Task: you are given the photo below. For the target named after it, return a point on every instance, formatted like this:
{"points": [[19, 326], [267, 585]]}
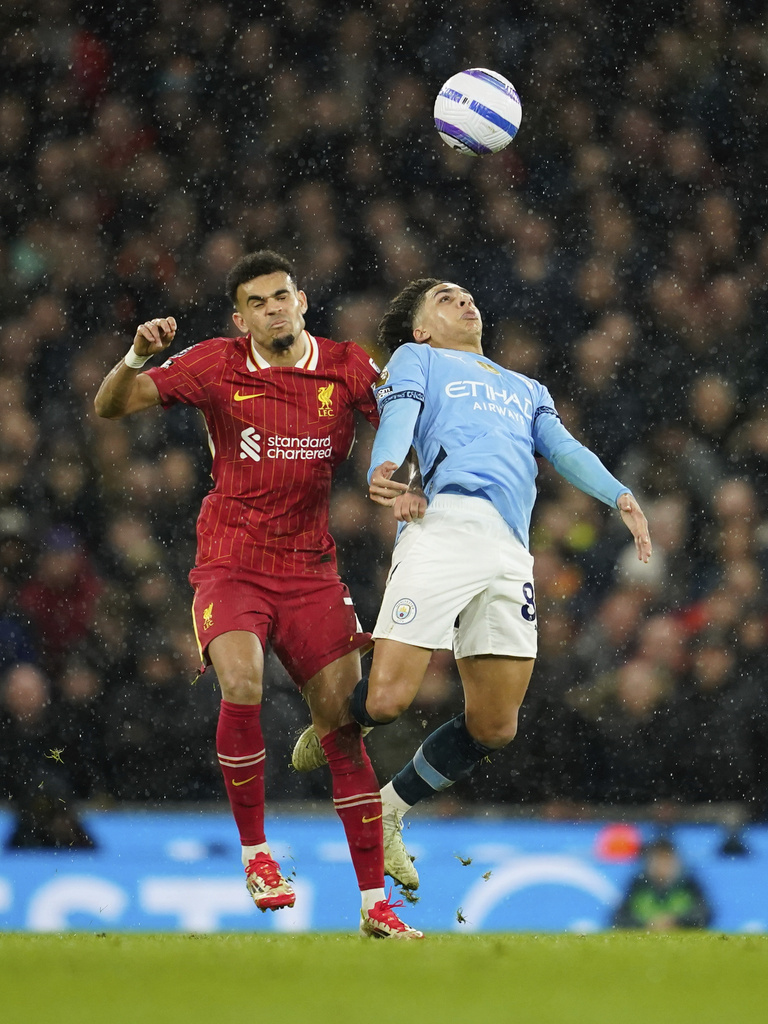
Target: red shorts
{"points": [[309, 621]]}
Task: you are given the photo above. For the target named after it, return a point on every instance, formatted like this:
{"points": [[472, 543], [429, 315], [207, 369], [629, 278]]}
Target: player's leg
{"points": [[495, 644], [318, 639], [396, 674], [232, 618], [378, 698], [355, 790], [494, 688], [425, 592], [238, 659]]}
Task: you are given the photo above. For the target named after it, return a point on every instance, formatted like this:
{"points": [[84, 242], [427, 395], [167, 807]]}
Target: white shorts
{"points": [[460, 579]]}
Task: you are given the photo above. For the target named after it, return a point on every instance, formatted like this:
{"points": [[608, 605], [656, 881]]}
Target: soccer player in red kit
{"points": [[279, 409]]}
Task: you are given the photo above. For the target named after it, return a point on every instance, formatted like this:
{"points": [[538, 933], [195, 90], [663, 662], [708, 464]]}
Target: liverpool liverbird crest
{"points": [[324, 397]]}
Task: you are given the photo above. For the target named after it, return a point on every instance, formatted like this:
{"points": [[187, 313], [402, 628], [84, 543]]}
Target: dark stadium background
{"points": [[618, 252]]}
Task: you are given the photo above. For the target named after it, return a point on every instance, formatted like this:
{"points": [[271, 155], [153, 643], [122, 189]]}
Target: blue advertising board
{"points": [[159, 871]]}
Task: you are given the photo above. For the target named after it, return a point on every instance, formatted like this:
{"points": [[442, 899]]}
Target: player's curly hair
{"points": [[254, 264], [396, 326]]}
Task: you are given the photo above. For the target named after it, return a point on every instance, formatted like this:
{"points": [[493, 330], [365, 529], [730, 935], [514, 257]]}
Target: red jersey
{"points": [[276, 434]]}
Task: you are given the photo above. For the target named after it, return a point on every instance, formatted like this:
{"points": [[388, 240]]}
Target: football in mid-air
{"points": [[477, 112]]}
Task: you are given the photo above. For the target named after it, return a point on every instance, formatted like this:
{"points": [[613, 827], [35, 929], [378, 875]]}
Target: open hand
{"points": [[637, 525]]}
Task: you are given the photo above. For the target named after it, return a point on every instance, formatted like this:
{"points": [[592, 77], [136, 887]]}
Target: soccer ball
{"points": [[477, 111]]}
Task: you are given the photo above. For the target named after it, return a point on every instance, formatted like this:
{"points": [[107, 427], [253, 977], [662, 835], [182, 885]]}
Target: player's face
{"points": [[449, 318], [272, 310]]}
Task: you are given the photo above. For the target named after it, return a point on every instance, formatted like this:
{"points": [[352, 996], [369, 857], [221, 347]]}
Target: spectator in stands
{"points": [[61, 594], [713, 720], [35, 764], [663, 896], [628, 710]]}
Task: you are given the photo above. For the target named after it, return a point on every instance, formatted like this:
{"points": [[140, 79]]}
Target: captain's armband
{"points": [[546, 410], [417, 396]]}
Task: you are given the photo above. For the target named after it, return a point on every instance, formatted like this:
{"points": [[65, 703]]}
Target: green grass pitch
{"points": [[612, 978]]}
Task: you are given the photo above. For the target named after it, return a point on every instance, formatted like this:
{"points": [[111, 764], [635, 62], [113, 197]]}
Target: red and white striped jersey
{"points": [[276, 436]]}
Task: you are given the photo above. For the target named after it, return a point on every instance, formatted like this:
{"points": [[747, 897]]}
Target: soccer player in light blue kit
{"points": [[462, 574]]}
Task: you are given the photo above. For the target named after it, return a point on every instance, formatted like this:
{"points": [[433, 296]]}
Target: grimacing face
{"points": [[448, 318], [271, 309]]}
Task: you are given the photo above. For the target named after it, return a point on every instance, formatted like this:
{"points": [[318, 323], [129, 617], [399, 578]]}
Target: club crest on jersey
{"points": [[490, 369], [324, 398], [404, 611], [208, 616]]}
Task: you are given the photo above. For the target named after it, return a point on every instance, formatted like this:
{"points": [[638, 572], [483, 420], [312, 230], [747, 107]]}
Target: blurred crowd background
{"points": [[618, 253]]}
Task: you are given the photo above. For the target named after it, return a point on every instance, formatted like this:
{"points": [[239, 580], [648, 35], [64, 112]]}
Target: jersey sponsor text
{"points": [[283, 447], [470, 388]]}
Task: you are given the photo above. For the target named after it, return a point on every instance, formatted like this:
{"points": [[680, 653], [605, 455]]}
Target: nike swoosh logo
{"points": [[234, 783], [374, 818], [244, 398]]}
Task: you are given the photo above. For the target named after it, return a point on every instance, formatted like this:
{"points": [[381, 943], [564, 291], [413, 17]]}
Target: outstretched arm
{"points": [[125, 389], [584, 470]]}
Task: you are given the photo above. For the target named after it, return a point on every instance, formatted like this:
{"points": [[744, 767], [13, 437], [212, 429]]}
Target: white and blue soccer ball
{"points": [[477, 112]]}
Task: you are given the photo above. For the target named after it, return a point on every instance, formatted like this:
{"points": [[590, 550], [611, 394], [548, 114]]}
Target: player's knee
{"points": [[496, 734], [390, 692], [385, 706], [239, 687]]}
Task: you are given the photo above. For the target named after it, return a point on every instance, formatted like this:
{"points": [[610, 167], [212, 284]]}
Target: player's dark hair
{"points": [[255, 264], [396, 326]]}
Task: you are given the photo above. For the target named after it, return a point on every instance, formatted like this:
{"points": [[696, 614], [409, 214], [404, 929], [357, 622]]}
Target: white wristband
{"points": [[134, 360]]}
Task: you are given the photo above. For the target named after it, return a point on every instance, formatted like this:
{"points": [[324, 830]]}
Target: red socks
{"points": [[357, 802], [240, 749]]}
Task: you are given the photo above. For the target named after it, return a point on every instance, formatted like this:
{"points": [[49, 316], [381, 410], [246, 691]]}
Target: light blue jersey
{"points": [[476, 428]]}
